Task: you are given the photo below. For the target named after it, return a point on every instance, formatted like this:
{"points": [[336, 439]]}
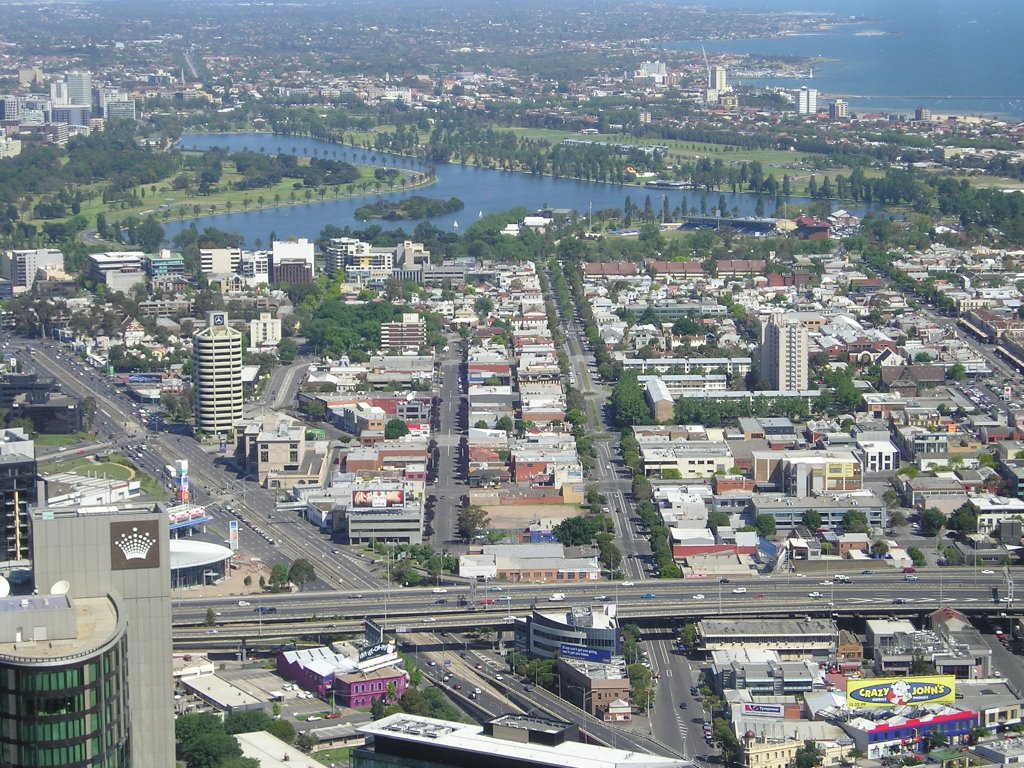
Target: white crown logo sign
{"points": [[135, 545]]}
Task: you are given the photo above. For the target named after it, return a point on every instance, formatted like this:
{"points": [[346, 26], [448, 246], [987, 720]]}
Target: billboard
{"points": [[586, 654], [145, 378], [376, 651], [233, 535], [899, 691], [181, 481], [764, 710], [378, 499]]}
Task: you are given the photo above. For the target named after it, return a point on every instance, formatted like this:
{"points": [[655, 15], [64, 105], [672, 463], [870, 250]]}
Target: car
{"points": [[495, 589], [477, 690], [908, 569], [62, 449], [439, 591], [332, 716], [724, 581], [815, 595], [600, 598], [527, 687], [694, 690], [499, 677], [910, 577], [698, 596], [628, 584], [1005, 599], [457, 686], [988, 571], [740, 591], [489, 602], [825, 583], [479, 666], [472, 695], [244, 603], [760, 596], [899, 601], [211, 631], [442, 601], [430, 619], [558, 597], [431, 663], [867, 572], [682, 705], [648, 596]]}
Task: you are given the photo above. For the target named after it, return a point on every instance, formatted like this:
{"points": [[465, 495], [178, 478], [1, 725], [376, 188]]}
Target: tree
{"points": [[377, 709], [211, 618], [506, 423], [575, 531], [484, 305], [279, 577], [811, 520], [473, 520], [964, 520], [209, 749], [956, 372], [149, 234], [717, 519], [190, 726], [395, 428], [306, 741], [764, 524], [879, 547], [240, 762], [917, 557], [287, 349], [931, 521], [88, 408], [301, 572], [283, 729], [245, 721], [855, 521], [808, 756]]}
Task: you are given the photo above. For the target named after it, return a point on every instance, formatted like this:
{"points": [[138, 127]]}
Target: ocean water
{"points": [[952, 56]]}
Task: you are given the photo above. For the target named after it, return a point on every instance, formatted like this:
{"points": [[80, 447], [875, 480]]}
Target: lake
{"points": [[483, 190]]}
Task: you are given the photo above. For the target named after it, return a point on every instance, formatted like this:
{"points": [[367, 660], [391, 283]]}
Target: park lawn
{"points": [[86, 468], [998, 182], [331, 756], [171, 204], [54, 441]]}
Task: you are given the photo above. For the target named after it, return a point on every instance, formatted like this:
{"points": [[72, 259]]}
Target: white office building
{"points": [[218, 375]]}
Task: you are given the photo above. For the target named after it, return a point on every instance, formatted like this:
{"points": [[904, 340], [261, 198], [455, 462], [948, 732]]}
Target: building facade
{"points": [[784, 354], [218, 375]]}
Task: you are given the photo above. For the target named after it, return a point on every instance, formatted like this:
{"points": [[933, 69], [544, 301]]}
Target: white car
{"points": [[988, 571], [628, 584], [244, 603], [558, 597], [439, 591], [698, 597], [814, 595], [740, 591], [430, 618]]}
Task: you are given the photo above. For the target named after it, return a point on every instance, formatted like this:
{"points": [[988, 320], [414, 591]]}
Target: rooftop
{"points": [[471, 739], [95, 620]]}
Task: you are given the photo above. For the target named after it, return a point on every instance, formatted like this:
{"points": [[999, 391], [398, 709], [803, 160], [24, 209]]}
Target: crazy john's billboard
{"points": [[900, 691]]}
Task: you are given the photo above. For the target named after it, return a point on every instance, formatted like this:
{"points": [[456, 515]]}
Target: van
{"points": [[558, 597]]}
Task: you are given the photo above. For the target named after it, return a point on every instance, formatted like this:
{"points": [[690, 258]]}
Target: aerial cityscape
{"points": [[630, 385]]}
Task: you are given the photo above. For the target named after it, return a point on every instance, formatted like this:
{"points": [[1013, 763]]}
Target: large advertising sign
{"points": [[900, 691], [386, 648], [233, 535], [378, 499], [181, 480], [764, 710], [145, 378], [586, 654]]}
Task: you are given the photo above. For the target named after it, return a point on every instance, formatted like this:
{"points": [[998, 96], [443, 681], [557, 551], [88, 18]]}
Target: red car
{"points": [[760, 596], [908, 569], [487, 602]]}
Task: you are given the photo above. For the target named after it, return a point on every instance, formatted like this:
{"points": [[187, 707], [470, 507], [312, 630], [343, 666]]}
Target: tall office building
{"points": [[218, 375], [18, 478], [10, 107], [85, 661], [717, 79], [807, 101], [79, 88], [59, 93], [784, 354], [838, 110]]}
